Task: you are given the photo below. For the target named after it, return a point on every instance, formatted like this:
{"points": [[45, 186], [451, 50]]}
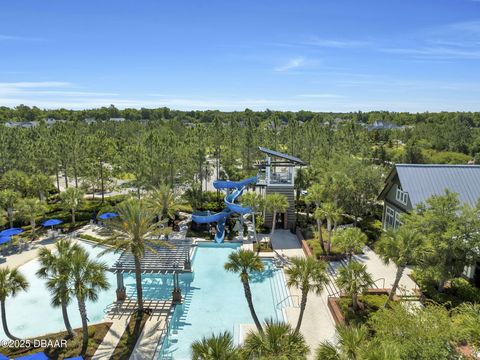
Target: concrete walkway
{"points": [[318, 324], [111, 339], [19, 259], [385, 274]]}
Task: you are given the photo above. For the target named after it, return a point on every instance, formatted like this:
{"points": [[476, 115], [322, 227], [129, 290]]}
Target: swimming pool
{"points": [[215, 301], [31, 314]]}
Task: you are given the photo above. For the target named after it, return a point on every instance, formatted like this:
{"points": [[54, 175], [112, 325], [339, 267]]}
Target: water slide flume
{"points": [[231, 207]]}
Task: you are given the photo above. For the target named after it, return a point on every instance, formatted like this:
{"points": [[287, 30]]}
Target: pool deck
{"points": [[19, 259]]}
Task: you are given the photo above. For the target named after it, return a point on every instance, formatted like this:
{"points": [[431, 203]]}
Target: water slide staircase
{"points": [[234, 191]]}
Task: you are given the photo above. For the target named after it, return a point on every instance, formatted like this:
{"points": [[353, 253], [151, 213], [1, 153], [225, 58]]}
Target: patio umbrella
{"points": [[108, 215], [11, 232], [52, 222], [3, 357], [36, 356], [74, 358], [4, 240]]}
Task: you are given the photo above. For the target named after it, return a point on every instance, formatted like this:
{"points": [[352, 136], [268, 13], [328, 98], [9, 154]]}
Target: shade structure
{"points": [[108, 215], [36, 356], [3, 357], [74, 358], [52, 222], [11, 232], [4, 240]]}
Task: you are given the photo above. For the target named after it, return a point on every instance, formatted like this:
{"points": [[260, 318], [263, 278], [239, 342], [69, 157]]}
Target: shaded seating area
{"points": [[173, 260]]}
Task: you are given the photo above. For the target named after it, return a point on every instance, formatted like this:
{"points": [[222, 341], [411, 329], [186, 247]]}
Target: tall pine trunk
{"points": [[138, 283], [320, 235], [329, 234], [4, 322], [102, 182], [10, 215], [248, 296]]}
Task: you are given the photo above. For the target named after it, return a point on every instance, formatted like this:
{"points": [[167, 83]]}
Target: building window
{"points": [[401, 196], [389, 217], [392, 218]]}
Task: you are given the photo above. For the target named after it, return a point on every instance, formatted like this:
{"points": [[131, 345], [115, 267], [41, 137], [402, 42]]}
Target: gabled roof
{"points": [[423, 181], [281, 155]]}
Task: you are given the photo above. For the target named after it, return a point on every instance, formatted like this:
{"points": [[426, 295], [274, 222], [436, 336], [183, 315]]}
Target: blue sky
{"points": [[409, 55]]}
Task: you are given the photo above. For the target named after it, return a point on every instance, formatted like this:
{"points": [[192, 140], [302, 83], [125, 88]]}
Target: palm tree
{"points": [[316, 194], [7, 201], [332, 214], [194, 196], [71, 199], [279, 341], [55, 267], [12, 282], [275, 203], [255, 202], [163, 201], [29, 209], [88, 278], [350, 342], [216, 347], [307, 275], [354, 279], [131, 231], [244, 262], [403, 247], [350, 241]]}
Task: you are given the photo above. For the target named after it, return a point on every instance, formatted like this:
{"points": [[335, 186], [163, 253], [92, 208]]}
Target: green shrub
{"points": [[90, 238]]}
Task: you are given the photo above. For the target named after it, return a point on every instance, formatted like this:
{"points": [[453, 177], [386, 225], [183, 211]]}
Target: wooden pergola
{"points": [[174, 260]]}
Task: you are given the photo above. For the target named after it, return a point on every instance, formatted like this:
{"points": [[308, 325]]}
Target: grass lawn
{"points": [[96, 334], [128, 340]]}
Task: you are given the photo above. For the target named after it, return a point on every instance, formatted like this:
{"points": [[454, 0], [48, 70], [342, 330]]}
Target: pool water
{"points": [[215, 301], [31, 314]]}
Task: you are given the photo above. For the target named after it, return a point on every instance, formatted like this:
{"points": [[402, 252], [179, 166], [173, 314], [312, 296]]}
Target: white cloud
{"points": [[344, 44], [291, 64]]}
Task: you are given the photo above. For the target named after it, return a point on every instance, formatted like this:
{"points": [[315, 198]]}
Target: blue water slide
{"points": [[221, 217]]}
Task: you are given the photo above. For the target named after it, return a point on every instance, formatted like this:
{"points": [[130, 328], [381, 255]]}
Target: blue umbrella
{"points": [[36, 356], [74, 358], [108, 215], [4, 240], [11, 232], [3, 357], [51, 222]]}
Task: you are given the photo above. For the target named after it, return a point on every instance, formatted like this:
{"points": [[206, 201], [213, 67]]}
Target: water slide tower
{"points": [[277, 175]]}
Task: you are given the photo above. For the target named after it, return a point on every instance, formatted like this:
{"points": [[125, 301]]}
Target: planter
{"points": [[335, 310]]}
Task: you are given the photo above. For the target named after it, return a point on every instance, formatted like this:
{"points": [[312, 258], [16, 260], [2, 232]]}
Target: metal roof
{"points": [[281, 155], [423, 181], [163, 260]]}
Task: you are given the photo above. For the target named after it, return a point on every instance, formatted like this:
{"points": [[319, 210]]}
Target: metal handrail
{"points": [[281, 257], [287, 298], [383, 287]]}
